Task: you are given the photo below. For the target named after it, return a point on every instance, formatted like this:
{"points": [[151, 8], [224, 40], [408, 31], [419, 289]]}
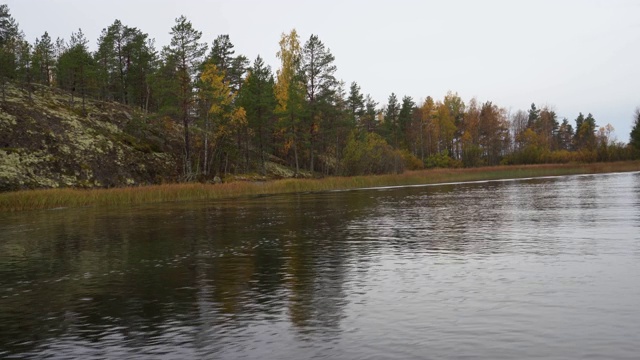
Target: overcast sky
{"points": [[572, 55]]}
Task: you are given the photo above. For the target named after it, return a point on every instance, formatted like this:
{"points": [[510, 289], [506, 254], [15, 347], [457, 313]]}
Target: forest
{"points": [[237, 114]]}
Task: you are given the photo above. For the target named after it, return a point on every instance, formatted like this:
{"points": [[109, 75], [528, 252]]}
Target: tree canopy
{"points": [[237, 116]]}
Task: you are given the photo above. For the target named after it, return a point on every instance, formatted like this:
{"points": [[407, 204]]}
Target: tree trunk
{"points": [[311, 145], [246, 147], [187, 148], [262, 162], [422, 143], [295, 150], [84, 109], [206, 144], [82, 86], [338, 155], [146, 104]]}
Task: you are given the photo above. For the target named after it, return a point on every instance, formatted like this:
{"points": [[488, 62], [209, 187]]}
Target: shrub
{"points": [[587, 156], [560, 157], [471, 156], [442, 160], [369, 154], [410, 161]]}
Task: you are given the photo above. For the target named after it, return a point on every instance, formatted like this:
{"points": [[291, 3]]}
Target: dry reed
{"points": [[56, 198]]}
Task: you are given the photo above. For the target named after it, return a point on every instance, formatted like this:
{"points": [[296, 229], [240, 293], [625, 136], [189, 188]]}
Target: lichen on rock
{"points": [[45, 143]]}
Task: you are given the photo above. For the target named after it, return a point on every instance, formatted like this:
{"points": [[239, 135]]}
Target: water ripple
{"points": [[540, 268]]}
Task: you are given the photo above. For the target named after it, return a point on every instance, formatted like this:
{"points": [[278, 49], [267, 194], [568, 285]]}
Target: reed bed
{"points": [[63, 198]]}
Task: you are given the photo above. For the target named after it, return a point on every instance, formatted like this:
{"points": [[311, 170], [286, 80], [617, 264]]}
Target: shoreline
{"points": [[44, 199]]}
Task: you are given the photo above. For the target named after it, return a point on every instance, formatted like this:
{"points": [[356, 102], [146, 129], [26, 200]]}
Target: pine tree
{"points": [[8, 27], [24, 65], [75, 70], [233, 67], [565, 135], [125, 61], [142, 63], [585, 137], [44, 60], [10, 37], [165, 88], [258, 100], [634, 137], [187, 52], [318, 74]]}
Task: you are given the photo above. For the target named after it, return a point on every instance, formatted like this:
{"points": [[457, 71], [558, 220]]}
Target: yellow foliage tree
{"points": [[227, 120], [289, 91], [446, 126]]}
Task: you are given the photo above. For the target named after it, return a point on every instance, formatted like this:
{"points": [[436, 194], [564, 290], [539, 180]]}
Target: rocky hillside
{"points": [[47, 142]]}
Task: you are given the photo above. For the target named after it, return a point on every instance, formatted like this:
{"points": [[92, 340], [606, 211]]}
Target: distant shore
{"points": [[127, 196]]}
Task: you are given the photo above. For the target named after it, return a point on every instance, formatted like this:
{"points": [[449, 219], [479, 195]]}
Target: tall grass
{"points": [[55, 198]]}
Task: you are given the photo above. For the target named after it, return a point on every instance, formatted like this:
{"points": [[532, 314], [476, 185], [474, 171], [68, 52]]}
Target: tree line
{"points": [[237, 116]]}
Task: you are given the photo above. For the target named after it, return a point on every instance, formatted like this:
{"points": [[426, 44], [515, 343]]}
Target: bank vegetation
{"points": [[129, 196]]}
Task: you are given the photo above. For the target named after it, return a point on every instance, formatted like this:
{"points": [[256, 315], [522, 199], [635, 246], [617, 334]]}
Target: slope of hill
{"points": [[46, 141]]}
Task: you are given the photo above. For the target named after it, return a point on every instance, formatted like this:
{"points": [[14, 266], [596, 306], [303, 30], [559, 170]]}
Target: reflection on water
{"points": [[538, 268]]}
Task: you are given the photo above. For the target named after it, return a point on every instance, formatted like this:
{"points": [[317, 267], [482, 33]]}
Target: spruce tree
{"points": [[534, 115], [355, 102], [404, 118], [391, 120]]}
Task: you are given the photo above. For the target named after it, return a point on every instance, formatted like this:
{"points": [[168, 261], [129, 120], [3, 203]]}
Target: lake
{"points": [[540, 268]]}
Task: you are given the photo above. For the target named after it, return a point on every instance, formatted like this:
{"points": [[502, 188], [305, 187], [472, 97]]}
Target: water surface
{"points": [[546, 268]]}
